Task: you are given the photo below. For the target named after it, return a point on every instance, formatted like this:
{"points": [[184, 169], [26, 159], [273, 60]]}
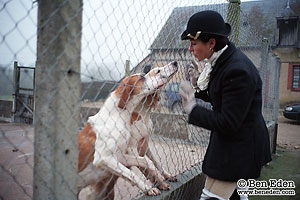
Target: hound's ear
{"points": [[124, 90]]}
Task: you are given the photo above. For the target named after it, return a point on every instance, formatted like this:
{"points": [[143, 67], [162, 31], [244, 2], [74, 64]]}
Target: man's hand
{"points": [[194, 71], [188, 97], [194, 75]]}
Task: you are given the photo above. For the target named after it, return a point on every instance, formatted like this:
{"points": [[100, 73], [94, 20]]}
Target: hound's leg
{"points": [[114, 166], [143, 148], [141, 162], [145, 129], [146, 167], [104, 188]]}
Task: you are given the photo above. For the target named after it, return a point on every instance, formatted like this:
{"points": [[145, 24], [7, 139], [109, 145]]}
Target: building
{"points": [[287, 47], [267, 20]]}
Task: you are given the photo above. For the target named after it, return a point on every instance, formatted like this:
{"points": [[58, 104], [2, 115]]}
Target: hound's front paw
{"points": [[168, 177], [163, 186], [153, 191]]}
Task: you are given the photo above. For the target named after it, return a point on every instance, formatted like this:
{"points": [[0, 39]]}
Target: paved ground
{"points": [[16, 158], [288, 137], [16, 161], [286, 162]]}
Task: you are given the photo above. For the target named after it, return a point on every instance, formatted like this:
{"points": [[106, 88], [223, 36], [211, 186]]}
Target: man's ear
{"points": [[212, 43]]}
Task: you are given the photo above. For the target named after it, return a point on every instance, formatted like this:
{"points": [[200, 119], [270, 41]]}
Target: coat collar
{"points": [[225, 55]]}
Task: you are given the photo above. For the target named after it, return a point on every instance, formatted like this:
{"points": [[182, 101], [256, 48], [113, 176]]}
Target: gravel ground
{"points": [[16, 157], [16, 161]]}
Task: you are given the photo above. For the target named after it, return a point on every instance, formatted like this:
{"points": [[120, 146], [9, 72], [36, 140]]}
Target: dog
{"points": [[116, 138]]}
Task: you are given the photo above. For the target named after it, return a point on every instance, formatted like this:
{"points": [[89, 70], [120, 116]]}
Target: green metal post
{"points": [[233, 18]]}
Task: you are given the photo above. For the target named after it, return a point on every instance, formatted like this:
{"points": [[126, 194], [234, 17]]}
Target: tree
{"points": [[295, 6], [262, 24]]}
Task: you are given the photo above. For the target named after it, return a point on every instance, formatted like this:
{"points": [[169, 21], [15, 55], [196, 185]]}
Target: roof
{"points": [[169, 36], [287, 11]]}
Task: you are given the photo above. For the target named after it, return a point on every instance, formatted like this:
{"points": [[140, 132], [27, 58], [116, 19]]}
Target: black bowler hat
{"points": [[206, 22]]}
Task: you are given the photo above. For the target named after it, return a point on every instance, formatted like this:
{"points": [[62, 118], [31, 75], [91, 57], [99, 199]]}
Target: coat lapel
{"points": [[224, 56]]}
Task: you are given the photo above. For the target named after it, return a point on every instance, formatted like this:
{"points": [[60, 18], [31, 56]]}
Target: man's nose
{"points": [[191, 47]]}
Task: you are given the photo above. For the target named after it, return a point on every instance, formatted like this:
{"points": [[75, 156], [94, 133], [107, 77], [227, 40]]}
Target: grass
{"points": [[285, 166]]}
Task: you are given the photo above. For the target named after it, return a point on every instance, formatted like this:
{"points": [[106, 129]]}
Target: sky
{"points": [[112, 32]]}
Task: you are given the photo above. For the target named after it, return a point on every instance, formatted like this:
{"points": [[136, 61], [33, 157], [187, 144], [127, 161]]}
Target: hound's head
{"points": [[142, 85], [159, 76]]}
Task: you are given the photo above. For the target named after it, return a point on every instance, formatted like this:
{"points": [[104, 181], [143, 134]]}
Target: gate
{"points": [[23, 104]]}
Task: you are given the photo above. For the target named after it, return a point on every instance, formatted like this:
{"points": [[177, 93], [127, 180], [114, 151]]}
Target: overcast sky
{"points": [[112, 32]]}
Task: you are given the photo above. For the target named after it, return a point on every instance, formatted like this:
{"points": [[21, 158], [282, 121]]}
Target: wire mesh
{"points": [[115, 39]]}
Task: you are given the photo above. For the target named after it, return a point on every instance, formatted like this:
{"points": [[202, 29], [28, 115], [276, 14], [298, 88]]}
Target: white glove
{"points": [[188, 97], [195, 69], [194, 75]]}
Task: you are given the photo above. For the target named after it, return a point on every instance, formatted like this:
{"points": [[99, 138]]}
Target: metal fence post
{"points": [[127, 67], [263, 73], [233, 18], [16, 79], [57, 95]]}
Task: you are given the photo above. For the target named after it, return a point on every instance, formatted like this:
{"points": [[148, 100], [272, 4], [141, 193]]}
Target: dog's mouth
{"points": [[164, 78], [173, 73], [164, 82], [160, 86]]}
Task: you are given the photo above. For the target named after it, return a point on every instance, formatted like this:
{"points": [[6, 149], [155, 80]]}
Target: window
{"points": [[288, 30], [294, 77]]}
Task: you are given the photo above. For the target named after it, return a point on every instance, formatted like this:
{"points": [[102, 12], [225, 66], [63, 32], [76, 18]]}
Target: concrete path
{"points": [[16, 161]]}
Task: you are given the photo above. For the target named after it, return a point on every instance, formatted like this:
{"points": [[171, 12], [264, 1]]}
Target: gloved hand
{"points": [[188, 97], [194, 71], [194, 75]]}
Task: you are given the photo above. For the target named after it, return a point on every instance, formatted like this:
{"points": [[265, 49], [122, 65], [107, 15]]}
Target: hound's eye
{"points": [[158, 71]]}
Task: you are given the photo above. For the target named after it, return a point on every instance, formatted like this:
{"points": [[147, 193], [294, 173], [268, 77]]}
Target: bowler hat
{"points": [[206, 22]]}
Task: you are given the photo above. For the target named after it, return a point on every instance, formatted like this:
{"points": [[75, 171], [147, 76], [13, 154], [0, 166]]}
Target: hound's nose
{"points": [[175, 63]]}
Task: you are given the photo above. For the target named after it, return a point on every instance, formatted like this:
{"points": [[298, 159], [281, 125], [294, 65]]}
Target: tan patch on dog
{"points": [[134, 117], [129, 86], [86, 144]]}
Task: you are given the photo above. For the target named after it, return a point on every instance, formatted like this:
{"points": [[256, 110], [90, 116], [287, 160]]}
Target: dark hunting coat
{"points": [[239, 143]]}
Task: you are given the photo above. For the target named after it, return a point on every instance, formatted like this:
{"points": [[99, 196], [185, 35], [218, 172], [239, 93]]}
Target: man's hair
{"points": [[221, 41]]}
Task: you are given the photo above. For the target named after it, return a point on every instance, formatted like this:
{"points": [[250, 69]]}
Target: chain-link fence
{"points": [[62, 61]]}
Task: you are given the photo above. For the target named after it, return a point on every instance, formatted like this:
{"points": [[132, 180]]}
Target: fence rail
{"points": [[23, 103], [81, 50]]}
